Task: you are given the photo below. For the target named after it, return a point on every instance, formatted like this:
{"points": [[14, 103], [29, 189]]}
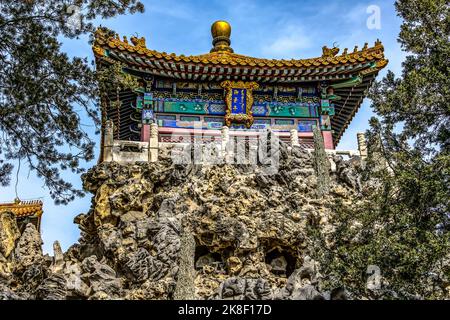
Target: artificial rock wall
{"points": [[163, 230]]}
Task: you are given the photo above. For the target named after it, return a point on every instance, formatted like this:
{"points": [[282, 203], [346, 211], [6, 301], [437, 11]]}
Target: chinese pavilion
{"points": [[223, 88], [25, 212]]}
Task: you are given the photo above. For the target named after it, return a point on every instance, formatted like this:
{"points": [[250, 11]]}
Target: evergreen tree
{"points": [[42, 90], [400, 222]]}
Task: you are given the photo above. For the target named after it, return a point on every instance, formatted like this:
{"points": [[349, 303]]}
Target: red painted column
{"points": [[145, 133], [328, 139]]}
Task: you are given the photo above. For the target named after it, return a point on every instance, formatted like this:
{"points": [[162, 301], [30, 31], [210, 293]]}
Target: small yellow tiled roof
{"points": [[23, 208]]}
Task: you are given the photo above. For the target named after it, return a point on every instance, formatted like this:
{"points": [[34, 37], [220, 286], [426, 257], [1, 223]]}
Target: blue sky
{"points": [[269, 29]]}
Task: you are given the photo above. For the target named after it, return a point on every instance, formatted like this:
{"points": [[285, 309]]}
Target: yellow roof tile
{"points": [[23, 208], [232, 59]]}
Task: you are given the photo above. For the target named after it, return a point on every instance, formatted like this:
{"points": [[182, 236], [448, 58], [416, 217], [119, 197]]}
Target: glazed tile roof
{"points": [[23, 208], [223, 64]]}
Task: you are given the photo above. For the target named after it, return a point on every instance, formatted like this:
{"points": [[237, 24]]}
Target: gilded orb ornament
{"points": [[221, 32], [221, 29]]}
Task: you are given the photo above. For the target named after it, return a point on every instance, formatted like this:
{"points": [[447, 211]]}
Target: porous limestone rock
{"points": [[9, 233], [28, 251], [246, 233]]}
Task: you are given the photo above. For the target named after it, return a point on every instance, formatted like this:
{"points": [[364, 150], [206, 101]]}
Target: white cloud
{"points": [[357, 15], [290, 43]]}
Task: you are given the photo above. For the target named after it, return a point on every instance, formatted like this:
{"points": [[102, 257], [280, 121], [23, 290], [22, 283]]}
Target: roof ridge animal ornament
{"points": [[138, 42], [328, 53]]}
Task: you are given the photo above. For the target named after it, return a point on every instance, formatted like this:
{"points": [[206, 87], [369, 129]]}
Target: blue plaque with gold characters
{"points": [[239, 101]]}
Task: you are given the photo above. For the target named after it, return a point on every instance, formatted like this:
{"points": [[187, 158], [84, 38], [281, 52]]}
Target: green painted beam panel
{"points": [[185, 107], [289, 111]]}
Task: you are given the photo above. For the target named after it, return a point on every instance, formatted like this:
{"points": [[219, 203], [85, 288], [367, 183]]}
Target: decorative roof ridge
{"points": [[18, 202], [105, 40], [23, 208]]}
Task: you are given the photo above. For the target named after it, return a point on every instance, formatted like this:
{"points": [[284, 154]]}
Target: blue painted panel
{"points": [[166, 117], [239, 101], [189, 118], [306, 125], [214, 119], [284, 122], [189, 124], [216, 108], [260, 109], [263, 121]]}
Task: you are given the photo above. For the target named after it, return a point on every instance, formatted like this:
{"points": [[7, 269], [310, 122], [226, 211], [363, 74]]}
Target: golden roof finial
{"points": [[221, 31]]}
